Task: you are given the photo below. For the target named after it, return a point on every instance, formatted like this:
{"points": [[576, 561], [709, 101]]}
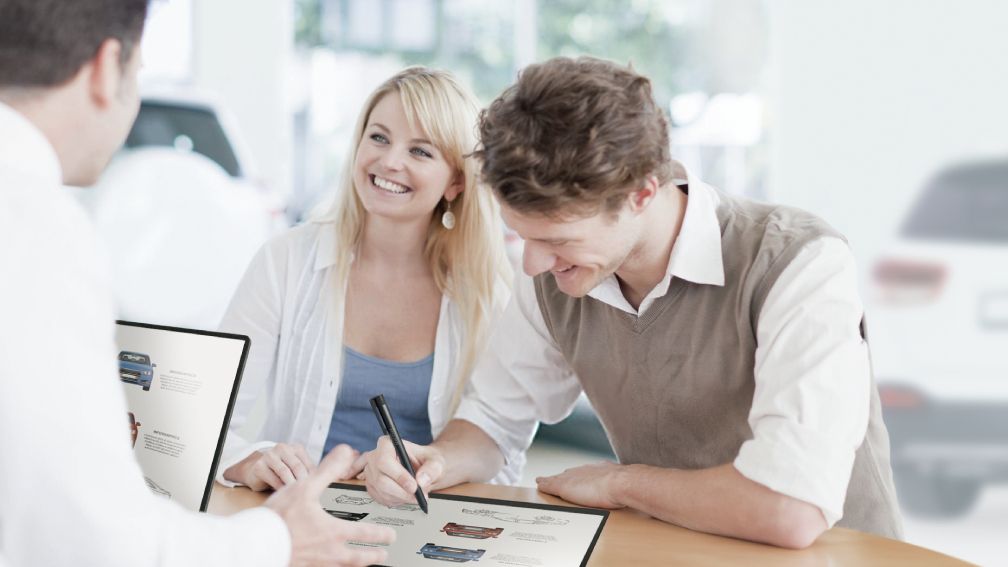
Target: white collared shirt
{"points": [[295, 360], [807, 423], [71, 492]]}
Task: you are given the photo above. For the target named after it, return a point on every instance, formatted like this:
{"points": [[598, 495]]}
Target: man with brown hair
{"points": [[71, 492], [720, 340]]}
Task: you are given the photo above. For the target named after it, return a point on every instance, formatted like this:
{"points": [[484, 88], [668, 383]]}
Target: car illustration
{"points": [[134, 428], [348, 516], [501, 516], [136, 368], [454, 554], [937, 324], [473, 532], [353, 500], [156, 488]]}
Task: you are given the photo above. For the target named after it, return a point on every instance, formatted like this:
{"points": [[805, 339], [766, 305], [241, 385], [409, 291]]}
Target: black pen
{"points": [[388, 427]]}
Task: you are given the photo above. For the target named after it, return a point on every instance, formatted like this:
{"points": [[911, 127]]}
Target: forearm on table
{"points": [[470, 454], [719, 500]]}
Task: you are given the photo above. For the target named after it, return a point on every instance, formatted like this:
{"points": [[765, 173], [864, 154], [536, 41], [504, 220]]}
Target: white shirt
{"points": [[812, 375], [295, 360], [71, 492]]}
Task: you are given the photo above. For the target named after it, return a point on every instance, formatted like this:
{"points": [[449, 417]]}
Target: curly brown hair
{"points": [[573, 137]]}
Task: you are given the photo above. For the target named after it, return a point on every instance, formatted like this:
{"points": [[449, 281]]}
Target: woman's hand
{"points": [[389, 483], [276, 467]]}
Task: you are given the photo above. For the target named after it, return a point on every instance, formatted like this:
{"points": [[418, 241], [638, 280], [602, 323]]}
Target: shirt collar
{"points": [[24, 148], [325, 254], [696, 254]]}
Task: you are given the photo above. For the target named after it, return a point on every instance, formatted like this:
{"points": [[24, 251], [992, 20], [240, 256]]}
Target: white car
{"points": [[179, 212], [938, 329]]}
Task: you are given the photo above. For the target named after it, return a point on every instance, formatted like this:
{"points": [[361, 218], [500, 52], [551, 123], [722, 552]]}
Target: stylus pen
{"points": [[388, 427]]}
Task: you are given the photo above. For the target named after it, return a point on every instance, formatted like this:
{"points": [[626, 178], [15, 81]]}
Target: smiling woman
{"points": [[383, 294], [399, 173]]}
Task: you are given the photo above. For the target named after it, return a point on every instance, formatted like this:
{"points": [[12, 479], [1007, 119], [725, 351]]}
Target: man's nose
{"points": [[536, 259]]}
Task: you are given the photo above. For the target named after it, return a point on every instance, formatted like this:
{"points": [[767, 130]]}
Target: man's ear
{"points": [[106, 72], [639, 199], [456, 187]]}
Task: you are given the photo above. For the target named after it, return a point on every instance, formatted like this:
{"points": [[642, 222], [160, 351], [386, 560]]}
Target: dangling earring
{"points": [[448, 218]]}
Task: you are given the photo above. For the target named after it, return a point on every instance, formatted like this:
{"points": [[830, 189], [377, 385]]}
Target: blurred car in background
{"points": [[938, 328], [180, 211]]}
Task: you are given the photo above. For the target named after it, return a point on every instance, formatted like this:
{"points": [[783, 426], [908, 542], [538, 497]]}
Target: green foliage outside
{"points": [[476, 39]]}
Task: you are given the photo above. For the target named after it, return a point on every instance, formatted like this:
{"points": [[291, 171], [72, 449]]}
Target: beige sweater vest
{"points": [[673, 387]]}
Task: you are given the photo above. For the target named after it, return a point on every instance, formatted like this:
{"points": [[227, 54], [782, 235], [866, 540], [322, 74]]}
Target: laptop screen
{"points": [[180, 388]]}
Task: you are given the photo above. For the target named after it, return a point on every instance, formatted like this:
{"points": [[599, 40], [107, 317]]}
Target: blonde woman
{"points": [[392, 291]]}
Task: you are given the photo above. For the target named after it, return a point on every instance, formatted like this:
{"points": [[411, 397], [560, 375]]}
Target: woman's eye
{"points": [[381, 139], [421, 152]]}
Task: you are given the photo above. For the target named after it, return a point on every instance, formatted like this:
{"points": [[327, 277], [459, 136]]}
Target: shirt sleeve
{"points": [[255, 310], [72, 492], [521, 380], [811, 400]]}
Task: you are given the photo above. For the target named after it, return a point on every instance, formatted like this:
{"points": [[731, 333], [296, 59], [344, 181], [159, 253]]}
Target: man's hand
{"points": [[389, 483], [316, 537], [274, 468], [587, 485]]}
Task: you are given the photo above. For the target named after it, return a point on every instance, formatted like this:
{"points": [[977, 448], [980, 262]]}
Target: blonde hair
{"points": [[469, 261]]}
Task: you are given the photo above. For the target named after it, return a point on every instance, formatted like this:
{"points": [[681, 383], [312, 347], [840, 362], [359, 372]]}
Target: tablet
{"points": [[484, 531], [180, 389]]}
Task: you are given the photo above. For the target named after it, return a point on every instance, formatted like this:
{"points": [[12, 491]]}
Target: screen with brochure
{"points": [[180, 388]]}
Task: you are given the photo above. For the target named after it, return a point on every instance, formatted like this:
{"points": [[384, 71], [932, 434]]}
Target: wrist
{"points": [[233, 473], [238, 472], [622, 483], [452, 472]]}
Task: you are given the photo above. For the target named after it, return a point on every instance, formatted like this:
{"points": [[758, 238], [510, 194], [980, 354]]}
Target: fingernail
{"points": [[423, 479]]}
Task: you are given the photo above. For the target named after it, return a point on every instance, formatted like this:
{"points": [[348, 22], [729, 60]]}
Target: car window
{"points": [[966, 203], [134, 357], [161, 124]]}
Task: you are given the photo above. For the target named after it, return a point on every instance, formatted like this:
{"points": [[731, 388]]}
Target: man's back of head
{"points": [[43, 43], [70, 67]]}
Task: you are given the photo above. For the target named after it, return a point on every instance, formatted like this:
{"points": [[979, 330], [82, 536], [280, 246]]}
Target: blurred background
{"points": [[887, 118]]}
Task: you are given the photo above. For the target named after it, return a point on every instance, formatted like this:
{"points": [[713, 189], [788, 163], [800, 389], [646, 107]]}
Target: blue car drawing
{"points": [[136, 368], [454, 554]]}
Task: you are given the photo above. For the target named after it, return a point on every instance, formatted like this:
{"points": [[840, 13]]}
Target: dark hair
{"points": [[43, 43], [572, 137]]}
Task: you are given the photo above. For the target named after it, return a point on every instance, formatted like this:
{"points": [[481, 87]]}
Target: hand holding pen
{"points": [[388, 427]]}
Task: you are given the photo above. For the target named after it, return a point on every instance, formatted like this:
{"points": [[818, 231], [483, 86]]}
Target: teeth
{"points": [[389, 186]]}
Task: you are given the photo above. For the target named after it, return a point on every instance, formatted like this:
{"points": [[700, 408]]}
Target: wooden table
{"points": [[630, 538]]}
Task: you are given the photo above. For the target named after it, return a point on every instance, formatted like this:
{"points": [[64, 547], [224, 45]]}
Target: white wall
{"points": [[870, 97], [241, 50]]}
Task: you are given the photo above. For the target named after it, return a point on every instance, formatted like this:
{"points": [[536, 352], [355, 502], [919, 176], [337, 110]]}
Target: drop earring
{"points": [[448, 218]]}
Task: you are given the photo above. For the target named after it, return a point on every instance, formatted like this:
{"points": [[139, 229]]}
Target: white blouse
{"points": [[295, 359]]}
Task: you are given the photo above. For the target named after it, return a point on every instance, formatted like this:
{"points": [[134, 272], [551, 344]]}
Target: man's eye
{"points": [[381, 139], [422, 152]]}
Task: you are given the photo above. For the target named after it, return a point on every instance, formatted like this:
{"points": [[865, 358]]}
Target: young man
{"points": [[719, 339], [72, 493]]}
